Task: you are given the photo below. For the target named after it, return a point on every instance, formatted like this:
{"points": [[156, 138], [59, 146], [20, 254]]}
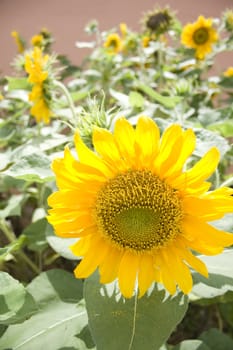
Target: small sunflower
{"points": [[37, 40], [200, 36], [138, 216], [113, 43], [158, 21], [229, 72]]}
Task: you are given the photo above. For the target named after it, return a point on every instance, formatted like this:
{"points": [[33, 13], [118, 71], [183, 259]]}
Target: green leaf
{"points": [[224, 128], [136, 99], [12, 296], [138, 324], [226, 310], [220, 278], [33, 168], [166, 101], [207, 139], [216, 340], [12, 247], [18, 83], [60, 319], [35, 234], [13, 206]]}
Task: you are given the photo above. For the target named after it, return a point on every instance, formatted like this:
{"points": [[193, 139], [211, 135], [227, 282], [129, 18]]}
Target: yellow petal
{"points": [[179, 271], [86, 156], [146, 273], [95, 255], [199, 229], [169, 139], [146, 141], [166, 273], [109, 267], [200, 171], [124, 137], [188, 146], [127, 273]]}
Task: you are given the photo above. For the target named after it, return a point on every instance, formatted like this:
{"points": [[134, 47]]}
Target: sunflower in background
{"points": [[158, 21], [137, 215], [37, 66], [200, 35], [113, 43]]}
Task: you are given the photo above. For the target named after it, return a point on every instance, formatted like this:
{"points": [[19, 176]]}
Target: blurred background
{"points": [[66, 20]]}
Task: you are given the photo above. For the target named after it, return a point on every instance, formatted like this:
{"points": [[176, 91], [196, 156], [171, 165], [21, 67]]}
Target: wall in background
{"points": [[66, 20]]}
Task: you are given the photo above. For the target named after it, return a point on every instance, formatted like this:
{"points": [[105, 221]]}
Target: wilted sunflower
{"points": [[113, 43], [200, 36], [138, 215], [158, 21]]}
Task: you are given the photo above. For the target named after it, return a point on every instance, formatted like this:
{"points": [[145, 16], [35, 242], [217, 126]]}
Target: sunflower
{"points": [[200, 36], [137, 215], [36, 65], [228, 72], [113, 43], [158, 21]]}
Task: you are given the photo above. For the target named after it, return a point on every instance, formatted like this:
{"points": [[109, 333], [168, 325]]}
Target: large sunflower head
{"points": [[137, 214], [158, 21], [200, 36]]}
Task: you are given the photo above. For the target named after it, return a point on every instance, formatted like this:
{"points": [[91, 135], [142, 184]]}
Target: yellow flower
{"points": [[37, 40], [19, 41], [200, 36], [113, 43], [138, 215], [35, 66], [229, 72], [41, 111], [145, 41], [123, 29]]}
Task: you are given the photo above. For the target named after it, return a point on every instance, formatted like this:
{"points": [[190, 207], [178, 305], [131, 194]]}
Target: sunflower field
{"points": [[116, 189]]}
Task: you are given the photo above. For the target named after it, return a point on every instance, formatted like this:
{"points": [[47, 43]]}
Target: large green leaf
{"points": [[33, 168], [132, 324], [220, 278], [60, 321]]}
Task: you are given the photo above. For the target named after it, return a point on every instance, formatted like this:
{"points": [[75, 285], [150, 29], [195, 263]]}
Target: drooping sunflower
{"points": [[158, 21], [200, 35], [113, 43], [138, 215]]}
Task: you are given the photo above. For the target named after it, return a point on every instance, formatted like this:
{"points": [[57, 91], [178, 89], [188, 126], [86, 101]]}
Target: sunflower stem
{"points": [[9, 234], [228, 182], [68, 97]]}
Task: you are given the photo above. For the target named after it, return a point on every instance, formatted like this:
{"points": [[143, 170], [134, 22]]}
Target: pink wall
{"points": [[66, 20]]}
